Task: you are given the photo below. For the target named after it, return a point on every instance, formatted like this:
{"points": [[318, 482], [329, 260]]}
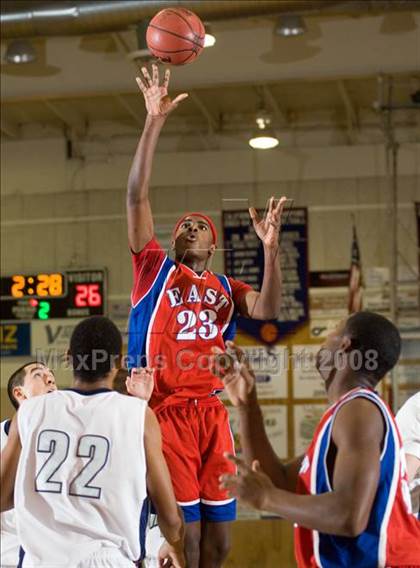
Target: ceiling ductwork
{"points": [[30, 19], [77, 18]]}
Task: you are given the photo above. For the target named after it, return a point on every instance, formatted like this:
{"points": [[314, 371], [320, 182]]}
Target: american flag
{"points": [[355, 281]]}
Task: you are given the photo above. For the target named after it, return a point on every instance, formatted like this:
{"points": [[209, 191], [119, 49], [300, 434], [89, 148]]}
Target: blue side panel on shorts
{"points": [[219, 513], [230, 331], [191, 512], [140, 317], [361, 551]]}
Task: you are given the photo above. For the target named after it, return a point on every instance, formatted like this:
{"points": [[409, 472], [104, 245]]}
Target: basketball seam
{"points": [[176, 35], [186, 59], [183, 19], [171, 51]]}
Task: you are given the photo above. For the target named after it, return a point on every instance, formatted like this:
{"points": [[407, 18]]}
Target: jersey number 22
{"points": [[57, 443]]}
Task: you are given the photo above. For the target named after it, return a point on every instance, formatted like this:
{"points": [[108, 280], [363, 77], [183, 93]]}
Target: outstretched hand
{"points": [[171, 556], [250, 484], [232, 368], [158, 102], [268, 228], [140, 383]]}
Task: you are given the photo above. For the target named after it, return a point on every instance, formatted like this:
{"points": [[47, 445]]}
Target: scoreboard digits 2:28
{"points": [[68, 294]]}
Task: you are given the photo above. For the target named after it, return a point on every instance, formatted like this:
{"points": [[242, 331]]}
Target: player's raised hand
{"points": [[268, 228], [250, 484], [171, 556], [232, 368], [158, 102], [140, 383]]}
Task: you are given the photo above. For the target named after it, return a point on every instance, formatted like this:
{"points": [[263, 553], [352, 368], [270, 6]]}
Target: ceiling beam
{"points": [[352, 121], [405, 77], [67, 114], [212, 121], [8, 127], [130, 110]]}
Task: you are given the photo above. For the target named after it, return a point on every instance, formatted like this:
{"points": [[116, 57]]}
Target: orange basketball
{"points": [[176, 36]]}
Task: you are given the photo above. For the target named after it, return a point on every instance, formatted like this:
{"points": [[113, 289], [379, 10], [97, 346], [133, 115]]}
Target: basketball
{"points": [[176, 36]]}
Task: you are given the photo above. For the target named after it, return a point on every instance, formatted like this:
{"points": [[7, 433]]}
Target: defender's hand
{"points": [[237, 376], [140, 383], [158, 102], [171, 556], [251, 485]]}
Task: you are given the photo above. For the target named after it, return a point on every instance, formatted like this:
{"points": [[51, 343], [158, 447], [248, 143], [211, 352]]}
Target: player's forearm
{"points": [[172, 526], [256, 445], [141, 168], [329, 513], [268, 304]]}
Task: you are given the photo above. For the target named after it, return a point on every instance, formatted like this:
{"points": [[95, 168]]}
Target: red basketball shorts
{"points": [[195, 435]]}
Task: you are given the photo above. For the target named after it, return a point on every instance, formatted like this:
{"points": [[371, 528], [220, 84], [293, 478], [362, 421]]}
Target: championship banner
{"points": [[244, 260]]}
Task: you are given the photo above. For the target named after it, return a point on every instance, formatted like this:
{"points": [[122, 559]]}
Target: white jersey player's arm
{"points": [[159, 486], [8, 467]]}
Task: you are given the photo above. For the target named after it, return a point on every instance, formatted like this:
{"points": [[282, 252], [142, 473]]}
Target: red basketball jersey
{"points": [[392, 537], [177, 316]]}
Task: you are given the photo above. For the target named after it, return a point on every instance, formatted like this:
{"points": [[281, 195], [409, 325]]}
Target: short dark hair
{"points": [[375, 333], [95, 344], [16, 379]]}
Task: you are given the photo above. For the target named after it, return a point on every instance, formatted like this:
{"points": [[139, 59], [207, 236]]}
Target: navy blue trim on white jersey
{"points": [[90, 393], [144, 519], [21, 557], [6, 426]]}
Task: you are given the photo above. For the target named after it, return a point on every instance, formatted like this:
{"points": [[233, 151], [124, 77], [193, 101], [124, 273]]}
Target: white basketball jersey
{"points": [[9, 539], [81, 480]]}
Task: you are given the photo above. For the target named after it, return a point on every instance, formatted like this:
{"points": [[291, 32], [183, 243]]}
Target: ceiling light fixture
{"points": [[20, 51], [209, 39], [263, 138], [290, 25]]}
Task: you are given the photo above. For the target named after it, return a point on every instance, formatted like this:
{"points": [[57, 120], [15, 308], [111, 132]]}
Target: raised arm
{"points": [[357, 435], [158, 106], [161, 493], [8, 467]]}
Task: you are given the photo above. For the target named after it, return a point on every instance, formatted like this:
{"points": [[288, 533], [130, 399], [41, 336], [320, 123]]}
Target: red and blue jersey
{"points": [[177, 316], [392, 537]]}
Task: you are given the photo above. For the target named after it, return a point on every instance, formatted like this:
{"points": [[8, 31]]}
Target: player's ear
{"points": [[173, 244], [212, 249], [19, 394]]}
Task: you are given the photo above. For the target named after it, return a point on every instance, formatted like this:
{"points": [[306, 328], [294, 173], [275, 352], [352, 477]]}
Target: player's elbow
{"points": [[354, 523], [271, 313], [266, 312]]}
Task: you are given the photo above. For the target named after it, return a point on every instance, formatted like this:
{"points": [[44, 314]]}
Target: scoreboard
{"points": [[43, 296]]}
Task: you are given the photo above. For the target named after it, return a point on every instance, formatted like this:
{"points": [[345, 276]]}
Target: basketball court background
{"points": [[70, 121]]}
